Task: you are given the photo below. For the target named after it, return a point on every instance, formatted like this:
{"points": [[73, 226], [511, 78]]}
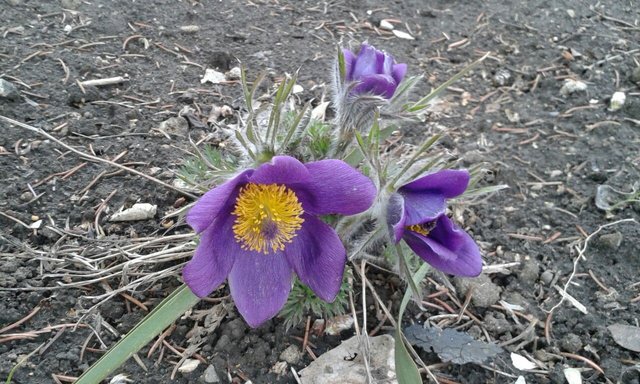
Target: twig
{"points": [[21, 321], [584, 359], [101, 82]]}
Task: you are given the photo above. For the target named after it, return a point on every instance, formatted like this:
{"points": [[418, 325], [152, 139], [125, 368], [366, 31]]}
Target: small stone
{"points": [[234, 73], [344, 364], [291, 354], [485, 292], [571, 13], [386, 25], [190, 28], [547, 277], [26, 196], [139, 211], [571, 343], [610, 240], [8, 90], [210, 375], [572, 86], [212, 76], [617, 101], [502, 78]]}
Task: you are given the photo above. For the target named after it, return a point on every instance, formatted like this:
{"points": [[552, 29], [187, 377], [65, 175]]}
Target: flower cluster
{"points": [[267, 223]]}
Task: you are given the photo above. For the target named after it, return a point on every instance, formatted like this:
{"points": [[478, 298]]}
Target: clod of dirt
{"points": [[546, 277], [497, 323], [220, 59], [610, 240], [485, 292], [77, 98], [345, 365], [70, 4], [632, 109], [8, 90], [176, 126], [635, 75], [529, 272], [571, 343], [291, 355]]}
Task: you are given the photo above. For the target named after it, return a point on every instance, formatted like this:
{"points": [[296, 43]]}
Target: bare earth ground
{"points": [[552, 150]]}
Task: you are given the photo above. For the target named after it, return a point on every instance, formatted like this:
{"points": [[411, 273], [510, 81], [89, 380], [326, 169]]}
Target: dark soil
{"points": [[551, 150]]}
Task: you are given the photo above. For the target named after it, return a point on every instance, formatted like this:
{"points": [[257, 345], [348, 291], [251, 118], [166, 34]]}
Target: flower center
{"points": [[267, 217], [423, 228]]}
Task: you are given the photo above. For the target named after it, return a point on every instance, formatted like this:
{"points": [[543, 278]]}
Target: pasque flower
{"points": [[375, 71], [260, 227], [416, 214]]}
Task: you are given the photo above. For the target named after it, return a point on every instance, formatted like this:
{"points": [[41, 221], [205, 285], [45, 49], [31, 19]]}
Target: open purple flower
{"points": [[262, 225], [375, 71], [416, 213]]}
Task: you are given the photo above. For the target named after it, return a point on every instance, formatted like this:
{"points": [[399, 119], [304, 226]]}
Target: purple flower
{"points": [[416, 213], [261, 226], [376, 71]]}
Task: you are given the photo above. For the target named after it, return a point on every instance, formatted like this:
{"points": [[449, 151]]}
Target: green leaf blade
{"points": [[152, 325]]}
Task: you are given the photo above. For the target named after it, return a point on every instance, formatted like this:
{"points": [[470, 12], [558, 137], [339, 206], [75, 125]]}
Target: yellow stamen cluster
{"points": [[420, 228], [268, 216]]}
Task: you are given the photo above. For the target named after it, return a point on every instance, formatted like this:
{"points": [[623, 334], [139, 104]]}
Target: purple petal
{"points": [[280, 170], [398, 72], [448, 183], [421, 207], [213, 258], [396, 217], [219, 199], [382, 85], [387, 64], [335, 187], [447, 248], [366, 63], [260, 285], [380, 61], [349, 59], [318, 257]]}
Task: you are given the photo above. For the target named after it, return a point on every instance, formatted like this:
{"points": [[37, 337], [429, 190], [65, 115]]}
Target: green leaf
{"points": [[406, 369], [425, 146], [342, 67], [152, 325]]}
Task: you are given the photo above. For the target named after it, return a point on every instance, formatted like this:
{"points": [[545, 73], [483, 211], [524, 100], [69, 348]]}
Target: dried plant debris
{"points": [[451, 345], [626, 336]]}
